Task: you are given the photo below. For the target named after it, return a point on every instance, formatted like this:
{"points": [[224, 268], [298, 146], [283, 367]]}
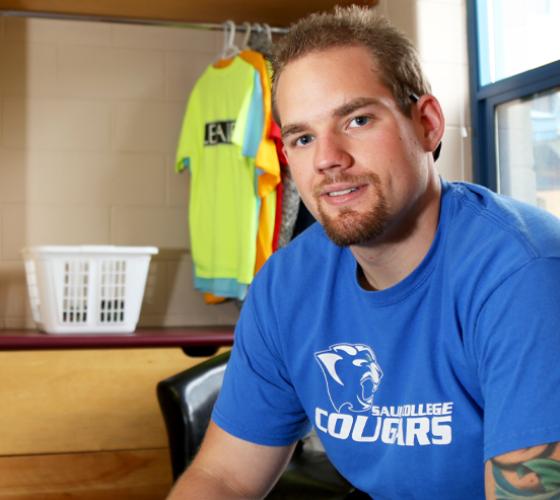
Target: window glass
{"points": [[516, 36], [528, 149]]}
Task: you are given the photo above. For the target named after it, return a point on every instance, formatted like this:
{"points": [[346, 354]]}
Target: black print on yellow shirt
{"points": [[218, 133]]}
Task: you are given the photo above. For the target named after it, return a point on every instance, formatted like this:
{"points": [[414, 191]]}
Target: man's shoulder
{"points": [[489, 218], [302, 259], [311, 242]]}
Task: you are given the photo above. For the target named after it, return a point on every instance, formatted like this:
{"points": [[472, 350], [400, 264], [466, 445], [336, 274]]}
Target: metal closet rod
{"points": [[127, 20]]}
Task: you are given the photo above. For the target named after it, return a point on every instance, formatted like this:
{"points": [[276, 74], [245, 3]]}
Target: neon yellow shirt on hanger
{"points": [[223, 210]]}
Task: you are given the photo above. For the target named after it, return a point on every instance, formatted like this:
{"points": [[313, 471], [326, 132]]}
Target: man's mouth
{"points": [[342, 192]]}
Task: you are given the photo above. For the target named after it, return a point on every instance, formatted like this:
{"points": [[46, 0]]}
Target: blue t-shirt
{"points": [[411, 388]]}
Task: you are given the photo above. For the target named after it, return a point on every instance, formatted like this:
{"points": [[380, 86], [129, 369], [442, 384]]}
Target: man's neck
{"points": [[385, 263]]}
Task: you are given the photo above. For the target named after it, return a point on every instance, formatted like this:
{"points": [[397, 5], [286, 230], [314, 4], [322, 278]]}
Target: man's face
{"points": [[357, 161]]}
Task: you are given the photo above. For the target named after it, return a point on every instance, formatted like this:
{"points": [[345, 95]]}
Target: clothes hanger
{"points": [[230, 50], [245, 44], [261, 41], [268, 31]]}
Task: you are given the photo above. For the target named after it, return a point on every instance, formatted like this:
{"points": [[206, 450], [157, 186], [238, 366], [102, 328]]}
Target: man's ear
{"points": [[429, 116]]}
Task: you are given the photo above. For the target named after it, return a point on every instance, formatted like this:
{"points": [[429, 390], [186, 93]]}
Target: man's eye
{"points": [[303, 140], [359, 121]]}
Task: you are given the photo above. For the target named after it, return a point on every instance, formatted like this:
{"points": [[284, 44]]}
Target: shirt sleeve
{"points": [[192, 133], [257, 402], [249, 124], [518, 344]]}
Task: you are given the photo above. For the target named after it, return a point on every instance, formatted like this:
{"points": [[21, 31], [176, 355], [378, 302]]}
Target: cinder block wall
{"points": [[90, 114], [439, 30]]}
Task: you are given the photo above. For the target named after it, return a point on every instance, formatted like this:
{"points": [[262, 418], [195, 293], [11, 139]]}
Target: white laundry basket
{"points": [[86, 289]]}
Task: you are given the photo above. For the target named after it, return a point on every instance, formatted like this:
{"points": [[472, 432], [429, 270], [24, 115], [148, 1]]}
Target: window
{"points": [[514, 50]]}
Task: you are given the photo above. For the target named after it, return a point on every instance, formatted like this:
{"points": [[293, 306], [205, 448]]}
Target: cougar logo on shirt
{"points": [[352, 375]]}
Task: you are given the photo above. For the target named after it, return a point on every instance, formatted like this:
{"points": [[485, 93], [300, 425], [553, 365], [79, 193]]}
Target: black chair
{"points": [[186, 401]]}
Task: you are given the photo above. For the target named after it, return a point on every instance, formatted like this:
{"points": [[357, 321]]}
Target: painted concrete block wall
{"points": [[438, 28], [89, 119]]}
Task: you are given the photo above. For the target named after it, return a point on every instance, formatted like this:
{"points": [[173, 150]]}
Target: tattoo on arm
{"points": [[528, 473]]}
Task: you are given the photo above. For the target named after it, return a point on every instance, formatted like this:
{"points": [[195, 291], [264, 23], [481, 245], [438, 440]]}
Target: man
{"points": [[417, 326]]}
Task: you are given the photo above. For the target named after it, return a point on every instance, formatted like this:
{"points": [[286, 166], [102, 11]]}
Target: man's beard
{"points": [[350, 227]]}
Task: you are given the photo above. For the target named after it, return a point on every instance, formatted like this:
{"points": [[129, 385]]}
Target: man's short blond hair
{"points": [[394, 54]]}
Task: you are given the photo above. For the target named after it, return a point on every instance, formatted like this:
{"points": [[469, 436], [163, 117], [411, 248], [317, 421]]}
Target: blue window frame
{"points": [[499, 90]]}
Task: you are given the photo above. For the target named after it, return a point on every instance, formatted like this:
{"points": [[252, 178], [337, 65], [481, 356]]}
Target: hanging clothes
{"points": [[284, 226], [231, 235], [266, 160], [223, 205], [276, 135]]}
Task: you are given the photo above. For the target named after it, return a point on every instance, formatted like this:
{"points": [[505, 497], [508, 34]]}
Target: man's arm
{"points": [[227, 467], [530, 473]]}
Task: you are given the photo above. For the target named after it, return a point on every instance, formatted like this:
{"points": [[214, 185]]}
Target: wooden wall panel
{"points": [[89, 400], [273, 12], [122, 475]]}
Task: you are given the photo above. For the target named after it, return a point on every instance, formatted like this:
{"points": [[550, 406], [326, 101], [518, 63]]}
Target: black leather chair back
{"points": [[186, 400]]}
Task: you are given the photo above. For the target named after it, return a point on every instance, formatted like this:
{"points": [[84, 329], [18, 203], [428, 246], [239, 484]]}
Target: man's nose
{"points": [[331, 153]]}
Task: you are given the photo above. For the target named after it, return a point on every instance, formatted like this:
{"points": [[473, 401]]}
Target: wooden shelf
{"points": [[274, 12], [193, 340]]}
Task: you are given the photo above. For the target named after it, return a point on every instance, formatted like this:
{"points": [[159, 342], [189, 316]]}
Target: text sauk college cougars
{"points": [[406, 425]]}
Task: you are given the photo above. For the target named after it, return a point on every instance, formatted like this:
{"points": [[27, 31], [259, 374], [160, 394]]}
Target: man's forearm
{"points": [[229, 468], [197, 483]]}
